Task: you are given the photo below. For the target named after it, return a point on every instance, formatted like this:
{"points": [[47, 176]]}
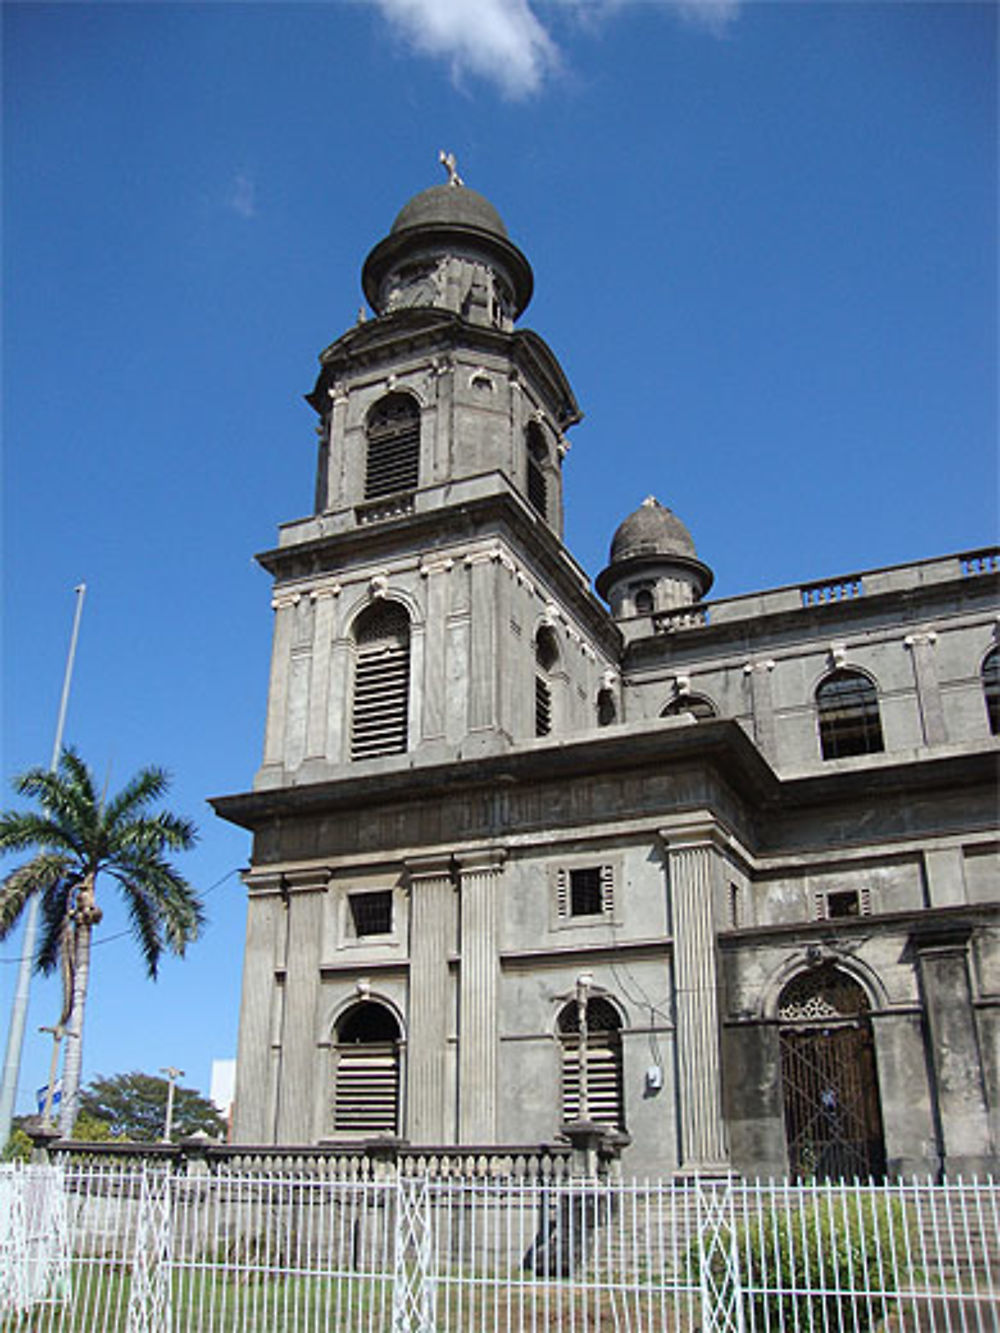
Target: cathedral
{"points": [[716, 877]]}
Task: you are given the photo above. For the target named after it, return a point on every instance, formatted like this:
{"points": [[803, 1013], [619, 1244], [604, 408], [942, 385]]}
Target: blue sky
{"points": [[764, 241]]}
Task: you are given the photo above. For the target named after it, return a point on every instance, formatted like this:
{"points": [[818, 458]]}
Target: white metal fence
{"points": [[93, 1248]]}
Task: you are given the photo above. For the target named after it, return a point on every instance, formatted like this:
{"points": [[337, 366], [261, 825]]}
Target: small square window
{"points": [[842, 904], [371, 913], [586, 892]]}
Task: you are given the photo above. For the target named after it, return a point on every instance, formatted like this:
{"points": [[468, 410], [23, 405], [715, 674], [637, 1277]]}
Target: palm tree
{"points": [[77, 836]]}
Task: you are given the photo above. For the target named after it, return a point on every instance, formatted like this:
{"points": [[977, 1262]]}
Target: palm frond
{"points": [[146, 929], [172, 901], [55, 917], [152, 834], [21, 829], [66, 796], [147, 786], [39, 875]]}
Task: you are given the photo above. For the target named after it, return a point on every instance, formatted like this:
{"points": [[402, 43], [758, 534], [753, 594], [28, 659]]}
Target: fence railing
{"points": [[93, 1248]]}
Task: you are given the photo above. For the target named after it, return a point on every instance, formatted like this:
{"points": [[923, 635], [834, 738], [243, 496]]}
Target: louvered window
{"points": [[366, 1079], [543, 707], [381, 681], [585, 891], [991, 689], [538, 496], [849, 722], [393, 459], [371, 913], [605, 1102]]}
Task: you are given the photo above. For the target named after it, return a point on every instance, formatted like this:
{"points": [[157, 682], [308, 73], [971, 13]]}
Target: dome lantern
{"points": [[652, 565]]}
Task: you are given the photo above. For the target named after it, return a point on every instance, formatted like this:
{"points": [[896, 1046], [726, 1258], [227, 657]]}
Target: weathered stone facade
{"points": [[519, 859]]}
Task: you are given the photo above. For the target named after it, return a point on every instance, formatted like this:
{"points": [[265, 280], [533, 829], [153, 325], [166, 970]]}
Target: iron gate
{"points": [[833, 1123]]}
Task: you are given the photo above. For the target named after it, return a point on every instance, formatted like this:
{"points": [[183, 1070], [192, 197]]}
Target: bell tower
{"points": [[409, 605]]}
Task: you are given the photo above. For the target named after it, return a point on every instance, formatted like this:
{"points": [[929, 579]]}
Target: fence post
{"points": [[718, 1256], [413, 1286], [149, 1295]]}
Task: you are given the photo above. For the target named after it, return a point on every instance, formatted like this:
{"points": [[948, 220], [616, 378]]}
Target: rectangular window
{"points": [[371, 913], [583, 891], [842, 904]]}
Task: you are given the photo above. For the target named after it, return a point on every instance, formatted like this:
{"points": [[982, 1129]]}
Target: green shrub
{"points": [[829, 1263]]}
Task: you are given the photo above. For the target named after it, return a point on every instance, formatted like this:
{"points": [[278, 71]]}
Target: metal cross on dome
{"points": [[450, 165]]}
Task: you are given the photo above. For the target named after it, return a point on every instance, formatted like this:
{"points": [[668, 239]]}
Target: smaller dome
{"points": [[449, 206], [652, 530]]}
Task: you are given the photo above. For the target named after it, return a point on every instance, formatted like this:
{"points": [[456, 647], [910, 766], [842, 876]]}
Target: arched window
{"points": [[379, 717], [695, 704], [604, 1099], [538, 491], [644, 602], [392, 462], [991, 689], [849, 723], [546, 656], [366, 1071], [833, 1120]]}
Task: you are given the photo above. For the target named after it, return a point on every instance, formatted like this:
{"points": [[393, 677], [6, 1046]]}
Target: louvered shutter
{"points": [[604, 1078], [367, 1088], [381, 683], [393, 459]]}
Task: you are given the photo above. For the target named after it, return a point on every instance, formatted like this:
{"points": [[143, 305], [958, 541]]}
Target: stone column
{"points": [[762, 705], [478, 1028], [692, 870], [281, 651], [319, 693], [335, 479], [942, 953], [300, 1060], [925, 675], [436, 579], [482, 673], [430, 1102]]}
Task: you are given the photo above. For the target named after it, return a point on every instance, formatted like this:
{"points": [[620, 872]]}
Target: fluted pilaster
{"points": [[430, 1106], [692, 862], [478, 1032]]}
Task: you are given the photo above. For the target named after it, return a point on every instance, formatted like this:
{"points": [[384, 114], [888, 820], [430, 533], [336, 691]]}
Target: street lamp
{"points": [[583, 984], [57, 1035], [172, 1076]]}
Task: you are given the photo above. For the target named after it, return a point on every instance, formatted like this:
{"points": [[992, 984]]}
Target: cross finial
{"points": [[450, 165]]}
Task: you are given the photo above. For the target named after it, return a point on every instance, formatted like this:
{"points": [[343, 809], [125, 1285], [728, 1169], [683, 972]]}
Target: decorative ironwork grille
{"points": [[833, 1122]]}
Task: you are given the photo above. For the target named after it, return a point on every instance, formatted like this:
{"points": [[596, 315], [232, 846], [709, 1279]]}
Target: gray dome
{"points": [[450, 206], [652, 530]]}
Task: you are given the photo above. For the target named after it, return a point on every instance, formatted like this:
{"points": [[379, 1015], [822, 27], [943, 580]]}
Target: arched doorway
{"points": [[833, 1120], [366, 1071]]}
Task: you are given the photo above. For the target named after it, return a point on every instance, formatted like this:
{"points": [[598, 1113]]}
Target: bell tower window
{"points": [[392, 462], [538, 491], [380, 710], [546, 656]]}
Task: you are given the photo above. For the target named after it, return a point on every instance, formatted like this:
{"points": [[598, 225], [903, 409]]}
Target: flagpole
{"points": [[19, 1010]]}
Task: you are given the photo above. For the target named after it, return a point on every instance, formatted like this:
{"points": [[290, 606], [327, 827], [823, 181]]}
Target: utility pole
{"points": [[172, 1076], [19, 1009]]}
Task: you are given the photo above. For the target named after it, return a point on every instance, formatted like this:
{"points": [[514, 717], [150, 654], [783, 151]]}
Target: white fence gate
{"points": [[93, 1248]]}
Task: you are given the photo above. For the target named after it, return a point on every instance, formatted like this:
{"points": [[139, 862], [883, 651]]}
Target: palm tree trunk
{"points": [[86, 916]]}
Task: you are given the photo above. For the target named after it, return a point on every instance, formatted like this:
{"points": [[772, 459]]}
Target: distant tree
{"points": [[78, 835], [134, 1106]]}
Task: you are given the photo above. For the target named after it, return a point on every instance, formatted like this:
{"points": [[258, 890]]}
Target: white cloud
{"points": [[500, 40], [242, 195]]}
